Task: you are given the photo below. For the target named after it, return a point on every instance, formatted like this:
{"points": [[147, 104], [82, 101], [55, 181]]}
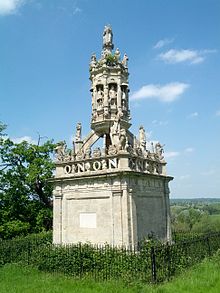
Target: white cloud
{"points": [[166, 93], [192, 56], [24, 138], [162, 43], [10, 6], [189, 150], [193, 115], [217, 113], [171, 154]]}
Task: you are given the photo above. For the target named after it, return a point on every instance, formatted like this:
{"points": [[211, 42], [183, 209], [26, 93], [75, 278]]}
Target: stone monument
{"points": [[115, 191]]}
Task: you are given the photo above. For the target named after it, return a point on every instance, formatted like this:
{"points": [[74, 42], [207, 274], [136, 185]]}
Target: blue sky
{"points": [[174, 65]]}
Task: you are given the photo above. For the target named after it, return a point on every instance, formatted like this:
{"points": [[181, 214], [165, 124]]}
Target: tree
{"points": [[2, 128], [25, 195]]}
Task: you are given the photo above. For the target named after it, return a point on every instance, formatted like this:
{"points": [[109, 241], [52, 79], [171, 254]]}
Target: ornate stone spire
{"points": [[109, 88]]}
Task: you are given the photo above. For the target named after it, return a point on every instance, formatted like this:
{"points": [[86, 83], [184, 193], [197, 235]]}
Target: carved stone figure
{"points": [[159, 151], [93, 61], [88, 153], [122, 139], [139, 151], [106, 112], [96, 153], [131, 150], [119, 115], [115, 131], [117, 54], [125, 61], [73, 153], [107, 36], [150, 167], [78, 132], [60, 151], [100, 98], [80, 155], [142, 137], [112, 95], [112, 150]]}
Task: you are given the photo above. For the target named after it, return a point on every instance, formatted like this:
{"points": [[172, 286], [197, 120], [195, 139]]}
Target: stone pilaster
{"points": [[57, 218]]}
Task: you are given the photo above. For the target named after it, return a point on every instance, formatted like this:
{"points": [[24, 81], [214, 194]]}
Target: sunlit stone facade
{"points": [[110, 187]]}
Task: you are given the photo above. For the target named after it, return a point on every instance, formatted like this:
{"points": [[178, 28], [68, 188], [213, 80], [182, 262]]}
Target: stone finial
{"points": [[78, 136], [142, 137], [159, 150], [93, 61], [117, 54], [107, 36], [107, 40], [125, 61], [60, 150]]}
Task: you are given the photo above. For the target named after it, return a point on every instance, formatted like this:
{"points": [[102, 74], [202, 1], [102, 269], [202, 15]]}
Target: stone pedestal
{"points": [[114, 205]]}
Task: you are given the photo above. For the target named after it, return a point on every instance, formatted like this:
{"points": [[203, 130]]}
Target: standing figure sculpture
{"points": [[117, 54], [60, 151], [142, 138], [93, 61], [115, 131], [100, 96], [107, 36], [112, 95], [78, 136], [125, 60], [159, 151]]}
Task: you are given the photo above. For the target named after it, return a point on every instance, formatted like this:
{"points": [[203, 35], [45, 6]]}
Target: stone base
{"points": [[120, 208]]}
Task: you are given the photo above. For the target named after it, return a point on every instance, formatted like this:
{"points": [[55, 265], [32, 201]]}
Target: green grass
{"points": [[204, 277]]}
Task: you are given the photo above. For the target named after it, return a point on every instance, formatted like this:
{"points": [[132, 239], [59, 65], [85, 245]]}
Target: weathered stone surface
{"points": [[118, 192]]}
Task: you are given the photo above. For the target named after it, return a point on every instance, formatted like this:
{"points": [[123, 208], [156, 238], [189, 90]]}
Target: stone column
{"points": [[117, 218], [133, 218], [57, 218], [94, 98], [105, 92], [167, 210], [126, 215], [105, 102], [119, 95]]}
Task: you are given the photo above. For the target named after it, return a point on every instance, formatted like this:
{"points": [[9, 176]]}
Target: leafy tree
{"points": [[25, 195]]}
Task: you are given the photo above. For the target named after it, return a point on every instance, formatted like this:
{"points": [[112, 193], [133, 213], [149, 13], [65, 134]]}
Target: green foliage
{"points": [[111, 60], [151, 262], [202, 278], [25, 195], [14, 228], [196, 216], [2, 128]]}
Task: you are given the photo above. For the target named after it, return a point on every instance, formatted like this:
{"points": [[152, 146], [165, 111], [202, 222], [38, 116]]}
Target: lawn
{"points": [[204, 277]]}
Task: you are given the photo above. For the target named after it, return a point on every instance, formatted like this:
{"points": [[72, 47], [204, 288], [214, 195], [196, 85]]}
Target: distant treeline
{"points": [[180, 201]]}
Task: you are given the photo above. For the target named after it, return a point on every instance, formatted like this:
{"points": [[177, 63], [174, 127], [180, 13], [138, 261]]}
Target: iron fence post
{"points": [[153, 265]]}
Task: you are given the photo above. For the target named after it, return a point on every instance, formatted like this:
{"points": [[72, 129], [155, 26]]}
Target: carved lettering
{"points": [[81, 167], [67, 169], [97, 165], [112, 163]]}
